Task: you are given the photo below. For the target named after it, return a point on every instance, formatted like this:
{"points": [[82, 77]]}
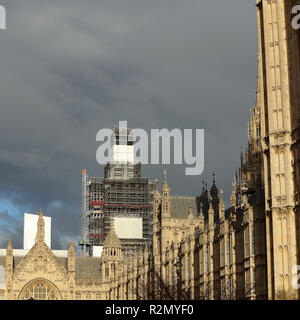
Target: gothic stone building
{"points": [[41, 275], [279, 97], [210, 254], [200, 250]]}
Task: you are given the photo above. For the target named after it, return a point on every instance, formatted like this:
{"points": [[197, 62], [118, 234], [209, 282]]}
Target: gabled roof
{"points": [[180, 206]]}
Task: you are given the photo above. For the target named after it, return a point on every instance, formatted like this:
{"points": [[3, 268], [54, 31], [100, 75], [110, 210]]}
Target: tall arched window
{"points": [[40, 290]]}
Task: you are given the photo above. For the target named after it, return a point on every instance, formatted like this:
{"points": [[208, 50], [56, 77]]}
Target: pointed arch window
{"points": [[40, 290]]}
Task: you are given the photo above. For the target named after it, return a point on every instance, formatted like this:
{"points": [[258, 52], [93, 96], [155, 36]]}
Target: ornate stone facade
{"points": [[206, 252], [40, 274], [279, 67], [220, 254]]}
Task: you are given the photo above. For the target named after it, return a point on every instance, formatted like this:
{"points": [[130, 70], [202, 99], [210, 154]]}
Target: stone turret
{"points": [[71, 257], [156, 204], [112, 256], [211, 215], [214, 197], [201, 218], [204, 200], [40, 235], [9, 266], [221, 208], [71, 269], [165, 199]]}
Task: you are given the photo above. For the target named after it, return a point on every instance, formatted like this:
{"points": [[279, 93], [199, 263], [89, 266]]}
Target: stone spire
{"points": [[201, 218], [9, 266], [211, 214], [214, 197], [112, 240], [156, 195], [204, 199], [165, 198], [233, 196], [9, 248], [156, 186], [71, 249], [71, 257], [165, 184], [40, 234], [214, 190], [221, 207], [112, 257]]}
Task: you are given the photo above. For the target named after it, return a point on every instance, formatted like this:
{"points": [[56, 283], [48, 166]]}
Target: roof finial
{"points": [[9, 248], [214, 177], [201, 208], [9, 243], [40, 234], [156, 184], [71, 245], [165, 184]]}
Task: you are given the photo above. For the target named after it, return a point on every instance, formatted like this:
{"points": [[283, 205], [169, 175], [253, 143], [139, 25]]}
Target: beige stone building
{"points": [[252, 250], [279, 87], [43, 276], [220, 255], [200, 250]]}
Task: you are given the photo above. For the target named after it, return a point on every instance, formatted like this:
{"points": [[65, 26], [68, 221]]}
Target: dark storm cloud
{"points": [[10, 228], [70, 68]]}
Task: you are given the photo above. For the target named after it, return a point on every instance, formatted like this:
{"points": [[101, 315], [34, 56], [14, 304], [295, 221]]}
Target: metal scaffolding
{"points": [[121, 193]]}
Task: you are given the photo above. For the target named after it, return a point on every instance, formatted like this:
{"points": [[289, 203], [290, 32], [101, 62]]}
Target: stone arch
{"points": [[40, 289]]}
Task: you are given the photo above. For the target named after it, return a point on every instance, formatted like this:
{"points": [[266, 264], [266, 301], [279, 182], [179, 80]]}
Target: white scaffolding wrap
{"points": [[129, 228], [30, 229]]}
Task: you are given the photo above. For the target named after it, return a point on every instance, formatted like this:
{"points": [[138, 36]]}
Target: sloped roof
{"points": [[180, 206], [16, 260], [85, 266]]}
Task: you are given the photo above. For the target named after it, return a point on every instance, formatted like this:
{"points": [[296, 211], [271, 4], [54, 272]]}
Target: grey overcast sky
{"points": [[70, 68]]}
